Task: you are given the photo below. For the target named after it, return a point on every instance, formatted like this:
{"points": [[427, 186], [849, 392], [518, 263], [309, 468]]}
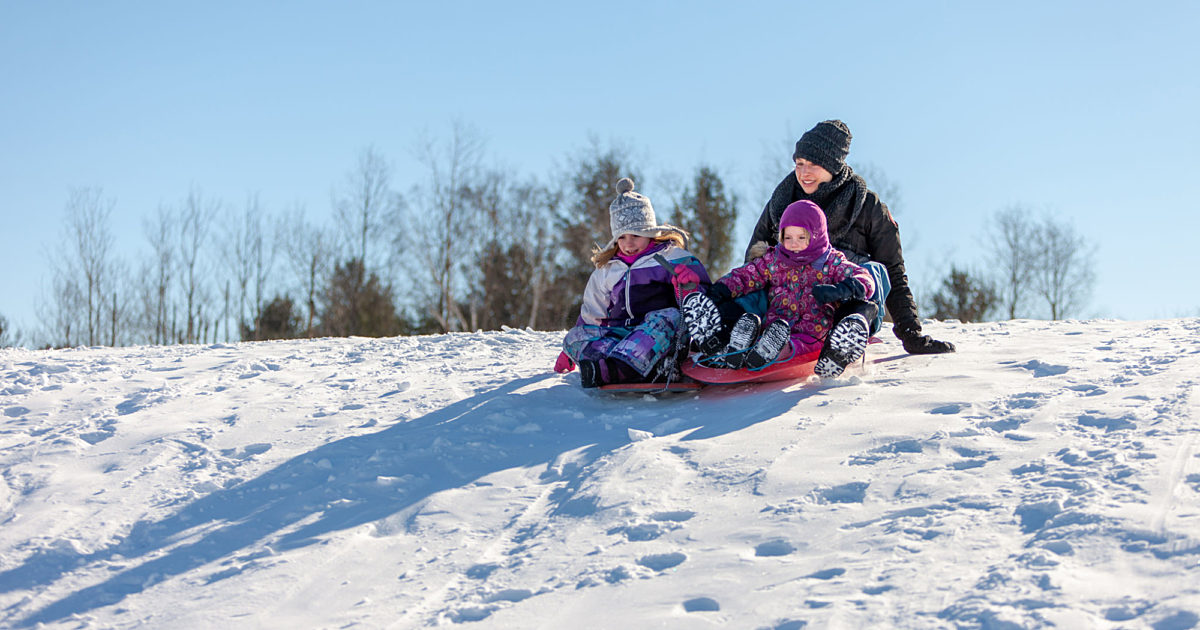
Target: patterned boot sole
{"points": [[769, 345], [846, 344], [703, 322], [740, 339]]}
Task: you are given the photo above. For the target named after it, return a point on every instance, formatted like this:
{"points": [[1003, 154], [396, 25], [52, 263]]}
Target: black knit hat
{"points": [[825, 145]]}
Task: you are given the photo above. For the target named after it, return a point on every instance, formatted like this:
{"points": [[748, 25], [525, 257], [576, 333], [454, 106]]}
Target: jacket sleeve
{"points": [[748, 278], [842, 269], [883, 242], [595, 300], [768, 221]]}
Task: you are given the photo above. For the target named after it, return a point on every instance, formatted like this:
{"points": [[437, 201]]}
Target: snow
{"points": [[1047, 474]]}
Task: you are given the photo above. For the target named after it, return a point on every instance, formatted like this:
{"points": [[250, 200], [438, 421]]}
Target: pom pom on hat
{"points": [[631, 213]]}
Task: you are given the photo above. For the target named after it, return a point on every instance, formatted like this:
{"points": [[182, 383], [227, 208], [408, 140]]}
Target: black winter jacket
{"points": [[859, 225]]}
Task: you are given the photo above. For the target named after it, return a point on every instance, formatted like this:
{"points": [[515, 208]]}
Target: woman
{"points": [[859, 225]]}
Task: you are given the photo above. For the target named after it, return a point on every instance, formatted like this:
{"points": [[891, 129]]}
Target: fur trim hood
{"points": [[757, 250]]}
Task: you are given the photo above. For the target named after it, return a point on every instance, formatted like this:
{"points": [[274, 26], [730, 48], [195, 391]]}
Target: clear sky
{"points": [[1086, 110]]}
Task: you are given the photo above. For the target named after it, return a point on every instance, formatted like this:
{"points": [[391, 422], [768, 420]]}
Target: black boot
{"points": [[774, 338], [589, 374], [740, 339], [703, 322], [847, 340]]}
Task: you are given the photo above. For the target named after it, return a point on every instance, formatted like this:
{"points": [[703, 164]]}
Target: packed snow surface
{"points": [[1047, 474]]}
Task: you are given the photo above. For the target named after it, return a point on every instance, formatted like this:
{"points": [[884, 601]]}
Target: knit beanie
{"points": [[631, 213], [825, 145], [809, 216]]}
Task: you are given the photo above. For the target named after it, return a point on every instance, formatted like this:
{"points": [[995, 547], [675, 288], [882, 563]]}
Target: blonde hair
{"points": [[600, 257]]}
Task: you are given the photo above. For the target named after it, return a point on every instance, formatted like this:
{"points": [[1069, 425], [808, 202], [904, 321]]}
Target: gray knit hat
{"points": [[825, 145], [631, 213]]}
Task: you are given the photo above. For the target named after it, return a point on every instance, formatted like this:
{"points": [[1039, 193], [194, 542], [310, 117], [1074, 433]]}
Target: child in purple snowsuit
{"points": [[803, 277], [629, 318]]}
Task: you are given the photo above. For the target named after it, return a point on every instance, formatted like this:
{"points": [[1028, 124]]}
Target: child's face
{"points": [[795, 238], [632, 244]]}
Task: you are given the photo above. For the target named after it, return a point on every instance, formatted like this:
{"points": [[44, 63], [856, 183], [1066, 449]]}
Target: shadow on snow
{"points": [[341, 485]]}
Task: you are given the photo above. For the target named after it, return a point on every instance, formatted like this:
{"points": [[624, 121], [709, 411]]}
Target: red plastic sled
{"points": [[797, 368]]}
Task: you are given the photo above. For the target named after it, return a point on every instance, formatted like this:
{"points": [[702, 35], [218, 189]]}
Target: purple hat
{"points": [[809, 216]]}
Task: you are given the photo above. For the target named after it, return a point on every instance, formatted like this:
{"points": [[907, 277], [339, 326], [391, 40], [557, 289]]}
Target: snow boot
{"points": [[740, 339], [589, 374], [846, 343], [606, 372], [703, 322], [774, 337]]}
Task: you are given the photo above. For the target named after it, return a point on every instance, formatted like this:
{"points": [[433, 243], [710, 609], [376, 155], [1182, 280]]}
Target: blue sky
{"points": [[1085, 110]]}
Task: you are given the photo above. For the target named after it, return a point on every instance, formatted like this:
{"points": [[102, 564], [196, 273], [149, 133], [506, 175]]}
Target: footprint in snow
{"points": [[662, 561], [639, 533], [887, 451], [774, 548], [701, 604], [678, 516], [1108, 424], [853, 492], [1041, 370], [827, 574]]}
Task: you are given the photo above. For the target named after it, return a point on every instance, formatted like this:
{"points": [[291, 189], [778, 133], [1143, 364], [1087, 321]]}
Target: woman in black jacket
{"points": [[859, 223]]}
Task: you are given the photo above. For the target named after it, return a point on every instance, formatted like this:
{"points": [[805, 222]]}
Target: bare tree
{"points": [[8, 335], [515, 261], [365, 202], [84, 308], [1062, 271], [308, 252], [248, 258], [1010, 239], [195, 218], [158, 276], [438, 220]]}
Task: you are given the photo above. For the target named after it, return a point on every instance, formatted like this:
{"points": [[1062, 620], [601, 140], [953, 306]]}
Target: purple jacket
{"points": [[789, 290], [620, 295]]}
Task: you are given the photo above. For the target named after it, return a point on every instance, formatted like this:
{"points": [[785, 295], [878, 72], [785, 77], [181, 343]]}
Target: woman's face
{"points": [[632, 244], [810, 175], [795, 238]]}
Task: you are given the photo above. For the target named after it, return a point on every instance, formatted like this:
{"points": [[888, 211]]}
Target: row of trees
{"points": [[1036, 267], [466, 248]]}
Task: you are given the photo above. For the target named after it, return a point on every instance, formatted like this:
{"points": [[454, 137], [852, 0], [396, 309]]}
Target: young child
{"points": [[629, 318], [804, 277]]}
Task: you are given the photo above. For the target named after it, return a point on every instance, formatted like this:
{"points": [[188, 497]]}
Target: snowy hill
{"points": [[1048, 474]]}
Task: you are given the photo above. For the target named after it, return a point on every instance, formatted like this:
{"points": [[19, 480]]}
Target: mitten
{"points": [[718, 293], [685, 280], [916, 343], [564, 363], [847, 289]]}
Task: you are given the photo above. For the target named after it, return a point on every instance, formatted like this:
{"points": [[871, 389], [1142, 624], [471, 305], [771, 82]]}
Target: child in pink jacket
{"points": [[805, 279]]}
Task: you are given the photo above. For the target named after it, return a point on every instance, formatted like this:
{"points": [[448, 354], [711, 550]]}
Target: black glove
{"points": [[847, 289], [718, 293], [916, 343]]}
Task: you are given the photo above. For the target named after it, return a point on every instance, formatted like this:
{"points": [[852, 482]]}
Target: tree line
{"points": [[1037, 266], [466, 248]]}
